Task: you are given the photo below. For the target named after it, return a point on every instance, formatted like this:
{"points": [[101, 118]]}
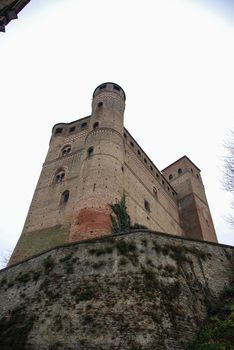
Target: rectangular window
{"points": [[83, 125], [73, 128], [147, 205], [59, 131]]}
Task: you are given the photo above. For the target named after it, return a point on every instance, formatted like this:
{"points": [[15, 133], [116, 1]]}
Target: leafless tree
{"points": [[4, 258], [228, 180]]}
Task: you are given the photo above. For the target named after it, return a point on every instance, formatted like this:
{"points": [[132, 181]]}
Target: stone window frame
{"points": [[90, 152], [84, 125], [147, 205], [66, 150], [64, 197], [155, 192], [72, 129], [59, 176], [58, 131], [95, 125]]}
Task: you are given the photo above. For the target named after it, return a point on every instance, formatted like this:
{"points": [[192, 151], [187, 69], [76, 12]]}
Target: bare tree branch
{"points": [[4, 258], [228, 180]]}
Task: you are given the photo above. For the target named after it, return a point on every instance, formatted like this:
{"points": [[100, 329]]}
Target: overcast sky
{"points": [[173, 58]]}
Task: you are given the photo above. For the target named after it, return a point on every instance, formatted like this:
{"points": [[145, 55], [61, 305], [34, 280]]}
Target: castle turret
{"points": [[102, 167], [195, 217], [90, 164]]}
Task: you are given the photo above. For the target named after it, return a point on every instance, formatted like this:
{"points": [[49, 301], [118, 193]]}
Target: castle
{"points": [[91, 163], [9, 10]]}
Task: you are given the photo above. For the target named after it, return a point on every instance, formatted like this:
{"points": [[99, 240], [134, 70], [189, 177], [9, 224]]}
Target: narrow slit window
{"points": [[64, 197], [155, 192], [147, 205], [90, 152]]}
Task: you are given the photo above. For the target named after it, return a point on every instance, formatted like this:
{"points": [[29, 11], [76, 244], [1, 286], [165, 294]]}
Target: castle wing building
{"points": [[91, 163]]}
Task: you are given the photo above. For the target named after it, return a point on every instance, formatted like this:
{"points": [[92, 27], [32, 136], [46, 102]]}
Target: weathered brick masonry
{"points": [[91, 163]]}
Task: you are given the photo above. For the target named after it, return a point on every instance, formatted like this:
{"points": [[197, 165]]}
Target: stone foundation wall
{"points": [[141, 290]]}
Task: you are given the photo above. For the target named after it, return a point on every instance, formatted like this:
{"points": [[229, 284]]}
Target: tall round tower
{"points": [[101, 181]]}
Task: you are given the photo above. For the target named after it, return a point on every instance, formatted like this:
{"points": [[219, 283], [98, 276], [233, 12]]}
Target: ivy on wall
{"points": [[121, 221]]}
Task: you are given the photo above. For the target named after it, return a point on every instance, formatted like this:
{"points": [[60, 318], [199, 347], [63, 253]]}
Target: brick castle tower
{"points": [[91, 163]]}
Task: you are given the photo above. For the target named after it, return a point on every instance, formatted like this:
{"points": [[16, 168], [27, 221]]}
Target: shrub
{"points": [[124, 247], [66, 257], [3, 281], [98, 264], [24, 278], [48, 263], [170, 268], [123, 261], [101, 251], [36, 275], [82, 294]]}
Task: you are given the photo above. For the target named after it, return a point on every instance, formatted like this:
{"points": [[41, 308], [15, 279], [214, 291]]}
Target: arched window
{"points": [[102, 87], [66, 150], [155, 192], [83, 125], [116, 87], [100, 104], [95, 125], [64, 197], [72, 129], [179, 171], [90, 152], [59, 177]]}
